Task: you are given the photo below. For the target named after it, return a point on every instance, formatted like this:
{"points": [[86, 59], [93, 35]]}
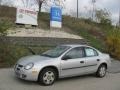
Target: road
{"points": [[111, 82]]}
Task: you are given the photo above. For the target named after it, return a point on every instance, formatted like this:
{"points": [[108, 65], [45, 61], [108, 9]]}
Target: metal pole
{"points": [[119, 18], [93, 13], [77, 9]]}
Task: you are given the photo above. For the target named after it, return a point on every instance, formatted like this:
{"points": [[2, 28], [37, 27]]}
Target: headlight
{"points": [[28, 66]]}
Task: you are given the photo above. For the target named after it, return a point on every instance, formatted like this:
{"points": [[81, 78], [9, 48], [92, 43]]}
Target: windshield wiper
{"points": [[46, 55]]}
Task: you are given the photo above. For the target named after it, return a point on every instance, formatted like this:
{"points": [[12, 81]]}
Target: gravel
{"points": [[22, 32]]}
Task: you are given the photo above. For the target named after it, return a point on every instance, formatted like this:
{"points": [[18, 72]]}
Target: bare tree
{"points": [[103, 16], [46, 2], [40, 2]]}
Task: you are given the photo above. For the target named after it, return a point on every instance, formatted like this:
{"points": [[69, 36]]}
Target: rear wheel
{"points": [[47, 76], [101, 71]]}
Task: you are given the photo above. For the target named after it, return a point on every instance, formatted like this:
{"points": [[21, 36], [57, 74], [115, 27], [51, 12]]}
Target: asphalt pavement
{"points": [[8, 81]]}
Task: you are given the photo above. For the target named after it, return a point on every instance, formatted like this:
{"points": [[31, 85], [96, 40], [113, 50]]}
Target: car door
{"points": [[91, 60], [72, 62]]}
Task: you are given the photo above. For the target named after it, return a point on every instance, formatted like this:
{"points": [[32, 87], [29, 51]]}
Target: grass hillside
{"points": [[91, 31], [103, 37]]}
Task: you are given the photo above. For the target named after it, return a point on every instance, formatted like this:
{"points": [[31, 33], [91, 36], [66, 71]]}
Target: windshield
{"points": [[56, 52]]}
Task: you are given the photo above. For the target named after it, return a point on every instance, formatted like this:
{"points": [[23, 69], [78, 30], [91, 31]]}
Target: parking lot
{"points": [[111, 82]]}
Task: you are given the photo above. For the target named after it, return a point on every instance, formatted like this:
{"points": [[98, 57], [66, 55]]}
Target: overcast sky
{"points": [[113, 6]]}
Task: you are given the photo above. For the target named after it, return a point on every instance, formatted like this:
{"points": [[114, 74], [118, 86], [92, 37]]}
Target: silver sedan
{"points": [[62, 61]]}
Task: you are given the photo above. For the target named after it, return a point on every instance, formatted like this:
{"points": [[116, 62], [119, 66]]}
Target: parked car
{"points": [[62, 61]]}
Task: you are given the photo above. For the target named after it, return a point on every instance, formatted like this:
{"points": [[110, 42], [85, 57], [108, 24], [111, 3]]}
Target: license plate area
{"points": [[18, 73]]}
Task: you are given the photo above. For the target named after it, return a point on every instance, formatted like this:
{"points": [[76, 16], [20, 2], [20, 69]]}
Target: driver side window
{"points": [[75, 53]]}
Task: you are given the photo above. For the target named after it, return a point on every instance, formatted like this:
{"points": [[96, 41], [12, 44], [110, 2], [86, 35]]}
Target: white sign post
{"points": [[26, 16]]}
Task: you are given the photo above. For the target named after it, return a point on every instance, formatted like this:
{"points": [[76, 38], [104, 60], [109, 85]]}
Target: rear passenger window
{"points": [[90, 52]]}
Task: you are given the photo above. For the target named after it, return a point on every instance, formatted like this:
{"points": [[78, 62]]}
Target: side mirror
{"points": [[66, 58]]}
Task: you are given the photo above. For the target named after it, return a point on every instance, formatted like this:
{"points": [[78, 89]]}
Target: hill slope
{"points": [[91, 31]]}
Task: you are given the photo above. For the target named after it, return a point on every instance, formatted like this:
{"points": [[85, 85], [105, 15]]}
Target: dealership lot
{"points": [[111, 82]]}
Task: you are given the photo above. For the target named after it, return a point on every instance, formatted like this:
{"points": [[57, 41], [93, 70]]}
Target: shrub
{"points": [[9, 54], [4, 47], [113, 43], [4, 26]]}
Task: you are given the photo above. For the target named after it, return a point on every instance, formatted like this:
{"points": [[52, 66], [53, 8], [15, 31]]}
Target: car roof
{"points": [[76, 45], [79, 45]]}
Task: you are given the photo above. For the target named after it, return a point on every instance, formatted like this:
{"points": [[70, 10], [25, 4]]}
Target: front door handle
{"points": [[81, 61]]}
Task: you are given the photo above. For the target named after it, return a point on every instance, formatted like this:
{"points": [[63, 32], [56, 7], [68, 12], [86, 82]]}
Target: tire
{"points": [[47, 76], [101, 72]]}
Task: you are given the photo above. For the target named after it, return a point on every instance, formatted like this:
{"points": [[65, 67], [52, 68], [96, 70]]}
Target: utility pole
{"points": [[93, 13], [77, 9], [119, 17]]}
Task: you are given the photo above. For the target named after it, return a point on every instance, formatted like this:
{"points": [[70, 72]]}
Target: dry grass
{"points": [[113, 43]]}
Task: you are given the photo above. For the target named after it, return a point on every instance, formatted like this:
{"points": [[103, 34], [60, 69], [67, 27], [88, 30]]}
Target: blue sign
{"points": [[56, 14]]}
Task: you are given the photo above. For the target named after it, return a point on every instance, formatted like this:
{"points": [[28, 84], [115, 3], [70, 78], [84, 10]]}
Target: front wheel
{"points": [[47, 76], [101, 71]]}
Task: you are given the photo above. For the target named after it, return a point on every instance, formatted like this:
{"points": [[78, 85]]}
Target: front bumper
{"points": [[30, 75]]}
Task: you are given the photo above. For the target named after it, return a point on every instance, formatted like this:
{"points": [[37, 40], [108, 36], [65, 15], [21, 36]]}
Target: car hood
{"points": [[33, 59]]}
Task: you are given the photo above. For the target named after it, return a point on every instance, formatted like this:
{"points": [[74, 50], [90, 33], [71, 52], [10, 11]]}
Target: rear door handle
{"points": [[98, 60], [81, 61]]}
